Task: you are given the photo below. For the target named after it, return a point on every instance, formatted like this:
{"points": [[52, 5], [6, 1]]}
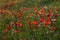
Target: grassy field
{"points": [[29, 19]]}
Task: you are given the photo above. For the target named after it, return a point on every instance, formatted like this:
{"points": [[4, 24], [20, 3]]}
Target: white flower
{"points": [[53, 19]]}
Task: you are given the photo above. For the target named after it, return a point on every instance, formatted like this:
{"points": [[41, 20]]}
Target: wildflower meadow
{"points": [[29, 19]]}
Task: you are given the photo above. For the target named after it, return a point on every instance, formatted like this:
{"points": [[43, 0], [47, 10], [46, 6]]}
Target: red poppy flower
{"points": [[47, 22], [35, 23], [42, 11], [41, 20], [7, 27], [49, 14], [53, 28], [18, 24], [55, 15]]}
